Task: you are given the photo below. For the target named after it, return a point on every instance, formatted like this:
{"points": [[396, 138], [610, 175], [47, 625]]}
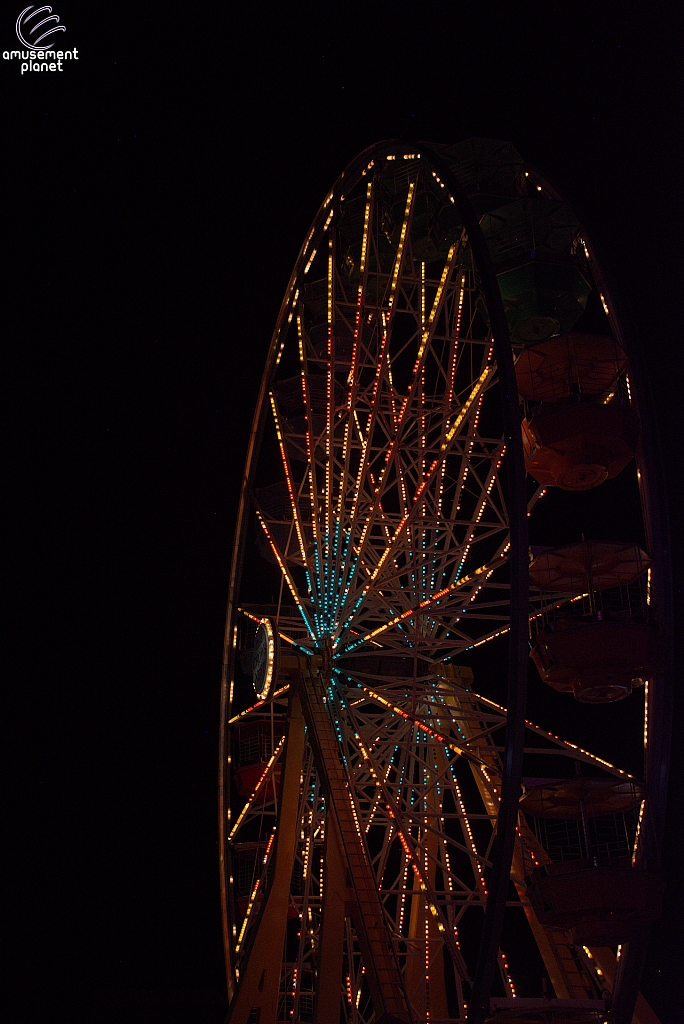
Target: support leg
{"points": [[331, 952], [259, 984]]}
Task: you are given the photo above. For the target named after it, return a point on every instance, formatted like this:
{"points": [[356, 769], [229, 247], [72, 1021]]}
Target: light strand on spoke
{"points": [[286, 574]]}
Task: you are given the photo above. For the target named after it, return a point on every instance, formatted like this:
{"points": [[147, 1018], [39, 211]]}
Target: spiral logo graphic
{"points": [[26, 24]]}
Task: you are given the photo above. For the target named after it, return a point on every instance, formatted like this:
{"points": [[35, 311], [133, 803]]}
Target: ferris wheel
{"points": [[430, 377]]}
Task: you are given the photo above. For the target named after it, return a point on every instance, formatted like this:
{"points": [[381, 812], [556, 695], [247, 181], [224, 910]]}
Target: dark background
{"points": [[157, 192]]}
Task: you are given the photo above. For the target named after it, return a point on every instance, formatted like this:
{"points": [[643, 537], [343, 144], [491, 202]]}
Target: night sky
{"points": [[156, 195]]}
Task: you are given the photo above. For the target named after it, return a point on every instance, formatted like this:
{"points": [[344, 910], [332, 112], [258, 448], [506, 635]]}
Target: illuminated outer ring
{"points": [[653, 494], [263, 685]]}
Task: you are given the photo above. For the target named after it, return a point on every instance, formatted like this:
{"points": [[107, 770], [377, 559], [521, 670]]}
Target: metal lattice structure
{"points": [[360, 833]]}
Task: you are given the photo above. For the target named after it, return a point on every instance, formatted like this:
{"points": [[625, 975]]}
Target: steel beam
{"points": [[258, 986], [331, 947], [382, 968]]}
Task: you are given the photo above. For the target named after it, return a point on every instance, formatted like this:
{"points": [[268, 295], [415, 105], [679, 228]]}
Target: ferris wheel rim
{"points": [[350, 177], [517, 508], [343, 182]]}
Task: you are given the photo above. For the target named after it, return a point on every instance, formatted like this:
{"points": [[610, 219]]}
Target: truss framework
{"points": [[420, 762], [371, 827]]}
